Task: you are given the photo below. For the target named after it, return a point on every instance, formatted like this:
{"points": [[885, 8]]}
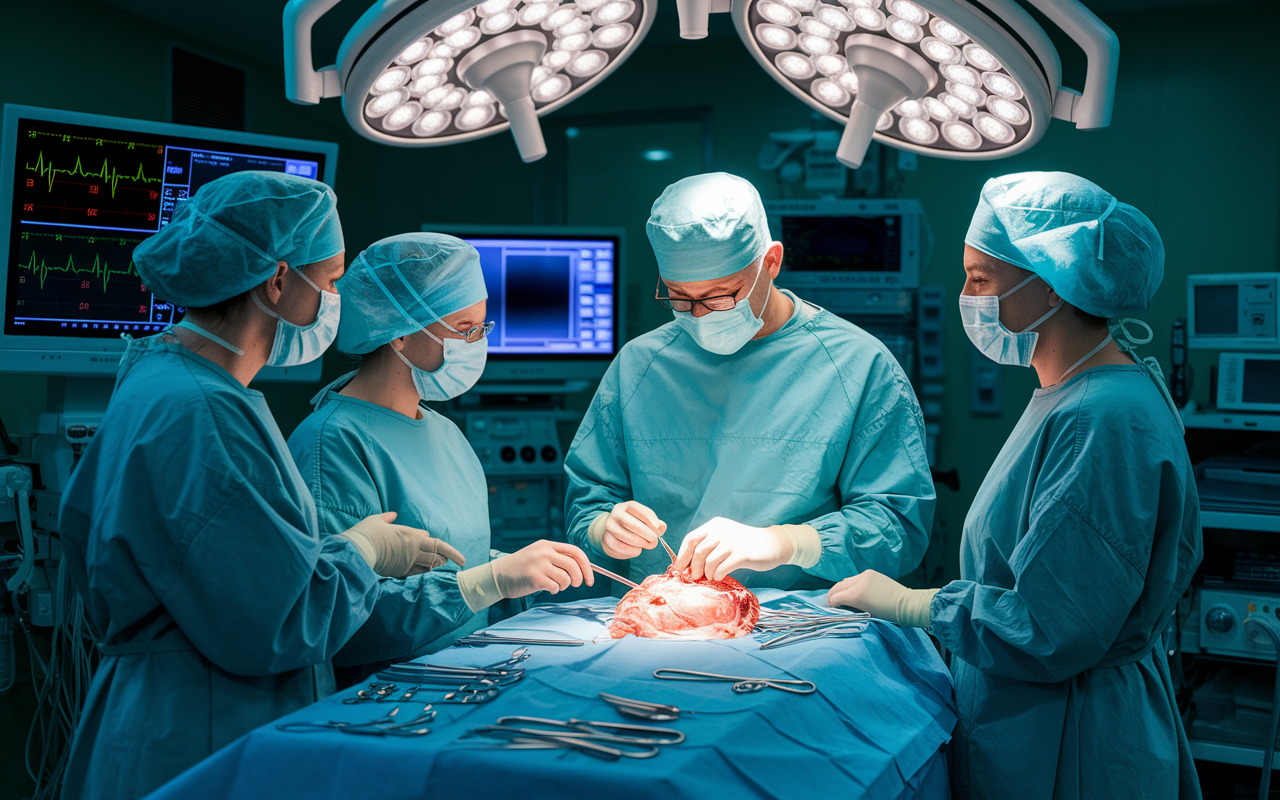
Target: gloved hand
{"points": [[883, 598], [627, 529], [398, 551], [719, 546], [542, 566]]}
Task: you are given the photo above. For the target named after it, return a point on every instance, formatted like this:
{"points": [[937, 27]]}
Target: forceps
{"points": [[740, 685], [382, 726], [616, 577]]}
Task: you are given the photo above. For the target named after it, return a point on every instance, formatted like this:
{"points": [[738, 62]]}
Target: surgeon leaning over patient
{"points": [[1086, 530], [757, 431], [414, 310], [186, 527]]}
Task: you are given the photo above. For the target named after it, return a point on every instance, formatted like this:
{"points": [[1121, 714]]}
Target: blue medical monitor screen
{"points": [[83, 198], [550, 296]]}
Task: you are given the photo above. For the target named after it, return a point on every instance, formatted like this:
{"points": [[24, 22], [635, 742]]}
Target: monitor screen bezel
{"points": [[54, 355], [552, 366]]}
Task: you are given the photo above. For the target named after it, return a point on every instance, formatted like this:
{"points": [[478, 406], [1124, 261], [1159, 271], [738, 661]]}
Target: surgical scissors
{"points": [[382, 693], [641, 709], [592, 738], [482, 638], [740, 685]]}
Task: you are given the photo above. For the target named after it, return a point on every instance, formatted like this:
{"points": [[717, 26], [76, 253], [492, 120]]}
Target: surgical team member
{"points": [[414, 310], [1085, 532], [782, 439], [186, 527]]}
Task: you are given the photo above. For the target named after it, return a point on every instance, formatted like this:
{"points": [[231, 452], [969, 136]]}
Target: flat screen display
{"points": [[83, 198], [550, 296], [843, 244], [1217, 310], [1261, 383]]}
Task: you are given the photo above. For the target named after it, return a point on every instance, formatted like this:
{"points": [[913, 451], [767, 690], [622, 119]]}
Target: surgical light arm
{"points": [[1091, 108], [303, 84]]}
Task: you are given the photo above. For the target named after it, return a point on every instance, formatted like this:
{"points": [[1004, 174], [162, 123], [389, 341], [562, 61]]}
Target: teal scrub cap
{"points": [[402, 284], [706, 227], [231, 235], [1102, 256]]}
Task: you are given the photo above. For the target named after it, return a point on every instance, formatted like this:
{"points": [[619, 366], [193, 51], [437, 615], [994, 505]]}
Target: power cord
{"points": [[1271, 628]]}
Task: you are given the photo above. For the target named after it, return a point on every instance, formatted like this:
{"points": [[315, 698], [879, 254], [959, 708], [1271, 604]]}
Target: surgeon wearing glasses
{"points": [[414, 312], [1086, 530], [756, 432]]}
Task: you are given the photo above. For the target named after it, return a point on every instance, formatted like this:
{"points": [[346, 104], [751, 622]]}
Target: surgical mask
{"points": [[981, 318], [463, 363], [300, 344], [725, 332]]}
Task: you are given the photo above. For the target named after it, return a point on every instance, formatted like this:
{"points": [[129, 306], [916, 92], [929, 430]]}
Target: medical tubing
{"points": [[1273, 726]]}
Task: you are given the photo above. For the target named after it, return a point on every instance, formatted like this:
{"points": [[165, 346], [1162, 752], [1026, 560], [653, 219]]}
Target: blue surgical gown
{"points": [[814, 424], [193, 542], [359, 459], [1078, 545]]}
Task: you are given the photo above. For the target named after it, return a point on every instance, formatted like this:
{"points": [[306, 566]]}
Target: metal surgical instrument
{"points": [[640, 709], [382, 726], [616, 577], [740, 685], [482, 638]]}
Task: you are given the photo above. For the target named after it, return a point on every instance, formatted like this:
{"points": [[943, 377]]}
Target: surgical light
{"points": [[948, 78], [422, 73]]}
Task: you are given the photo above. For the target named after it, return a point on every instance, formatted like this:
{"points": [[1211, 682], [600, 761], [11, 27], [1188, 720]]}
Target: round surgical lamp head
{"points": [[938, 77], [423, 73]]}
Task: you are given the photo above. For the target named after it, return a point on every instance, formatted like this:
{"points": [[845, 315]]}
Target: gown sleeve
{"points": [[596, 464], [409, 613], [886, 490], [1080, 568], [257, 592]]}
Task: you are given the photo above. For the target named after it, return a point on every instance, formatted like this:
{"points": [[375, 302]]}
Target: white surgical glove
{"points": [[883, 598], [398, 551], [542, 566], [719, 546], [625, 530]]}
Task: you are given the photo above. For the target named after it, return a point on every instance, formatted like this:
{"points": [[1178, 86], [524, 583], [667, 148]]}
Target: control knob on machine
{"points": [[1220, 620]]}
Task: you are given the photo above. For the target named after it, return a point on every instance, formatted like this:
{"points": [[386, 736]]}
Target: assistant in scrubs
{"points": [[186, 527], [757, 432], [1085, 532], [414, 311]]}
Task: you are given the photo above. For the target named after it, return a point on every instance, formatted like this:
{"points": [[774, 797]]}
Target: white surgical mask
{"points": [[300, 344], [725, 332], [981, 318], [463, 363]]}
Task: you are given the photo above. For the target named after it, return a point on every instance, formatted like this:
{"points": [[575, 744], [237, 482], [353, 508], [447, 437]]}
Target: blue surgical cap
{"points": [[706, 227], [1102, 256], [402, 284], [229, 237]]}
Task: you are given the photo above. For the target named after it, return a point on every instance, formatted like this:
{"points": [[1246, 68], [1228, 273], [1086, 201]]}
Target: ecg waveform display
{"points": [[83, 198], [93, 182]]}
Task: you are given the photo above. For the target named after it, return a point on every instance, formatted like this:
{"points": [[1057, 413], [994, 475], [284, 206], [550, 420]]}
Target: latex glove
{"points": [[720, 545], [398, 551], [542, 566], [883, 598], [626, 529]]}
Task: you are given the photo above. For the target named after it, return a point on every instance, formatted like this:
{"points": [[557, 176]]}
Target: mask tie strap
{"points": [[1102, 239]]}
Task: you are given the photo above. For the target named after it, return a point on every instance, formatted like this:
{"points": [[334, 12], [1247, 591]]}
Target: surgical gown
{"points": [[814, 424], [359, 459], [193, 542], [1079, 544]]}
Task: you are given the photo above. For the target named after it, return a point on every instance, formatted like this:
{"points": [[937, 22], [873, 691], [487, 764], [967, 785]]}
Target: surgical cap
{"points": [[229, 237], [1102, 256], [402, 284], [706, 227]]}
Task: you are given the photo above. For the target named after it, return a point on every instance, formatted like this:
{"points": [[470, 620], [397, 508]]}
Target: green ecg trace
{"points": [[100, 269], [107, 174]]}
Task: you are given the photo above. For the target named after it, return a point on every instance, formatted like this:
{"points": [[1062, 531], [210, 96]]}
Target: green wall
{"points": [[1192, 145]]}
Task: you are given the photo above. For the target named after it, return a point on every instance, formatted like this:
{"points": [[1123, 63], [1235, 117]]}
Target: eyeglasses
{"points": [[720, 302], [474, 334]]}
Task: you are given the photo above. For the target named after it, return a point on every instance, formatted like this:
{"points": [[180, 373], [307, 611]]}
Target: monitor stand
{"points": [[75, 407]]}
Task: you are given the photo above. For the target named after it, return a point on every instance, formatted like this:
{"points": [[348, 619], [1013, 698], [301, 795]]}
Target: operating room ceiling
{"points": [[251, 29]]}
